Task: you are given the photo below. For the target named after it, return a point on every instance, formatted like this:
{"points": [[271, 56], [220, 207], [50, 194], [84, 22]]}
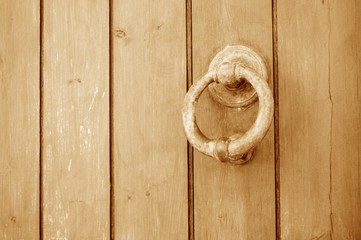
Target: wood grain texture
{"points": [[150, 150], [345, 92], [19, 119], [320, 105], [232, 201], [76, 120]]}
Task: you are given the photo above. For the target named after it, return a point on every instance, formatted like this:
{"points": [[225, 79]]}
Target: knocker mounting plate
{"points": [[243, 94]]}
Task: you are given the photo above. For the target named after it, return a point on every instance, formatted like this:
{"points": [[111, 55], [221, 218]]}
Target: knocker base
{"points": [[241, 94]]}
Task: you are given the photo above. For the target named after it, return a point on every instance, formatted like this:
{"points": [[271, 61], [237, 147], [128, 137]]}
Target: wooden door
{"points": [[92, 144]]}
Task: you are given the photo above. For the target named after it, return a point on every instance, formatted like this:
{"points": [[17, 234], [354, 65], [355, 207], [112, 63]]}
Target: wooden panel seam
{"points": [[276, 119], [41, 121], [190, 150], [111, 125]]}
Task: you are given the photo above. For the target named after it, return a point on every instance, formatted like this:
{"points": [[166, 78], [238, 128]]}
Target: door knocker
{"points": [[227, 79]]}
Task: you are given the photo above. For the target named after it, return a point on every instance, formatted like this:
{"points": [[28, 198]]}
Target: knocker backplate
{"points": [[244, 94]]}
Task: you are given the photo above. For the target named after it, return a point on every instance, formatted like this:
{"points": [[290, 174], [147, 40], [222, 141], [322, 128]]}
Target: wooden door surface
{"points": [[91, 138]]}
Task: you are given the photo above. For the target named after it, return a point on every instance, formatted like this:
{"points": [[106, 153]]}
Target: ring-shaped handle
{"points": [[235, 147]]}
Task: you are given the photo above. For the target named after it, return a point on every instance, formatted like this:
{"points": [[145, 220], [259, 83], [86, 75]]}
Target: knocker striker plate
{"points": [[243, 94]]}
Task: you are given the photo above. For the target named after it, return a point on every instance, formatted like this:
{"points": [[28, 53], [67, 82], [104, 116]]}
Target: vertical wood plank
{"points": [[320, 105], [232, 202], [76, 120], [304, 110], [19, 119], [345, 92], [150, 150]]}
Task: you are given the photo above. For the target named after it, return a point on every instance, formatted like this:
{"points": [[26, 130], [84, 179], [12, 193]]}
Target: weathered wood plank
{"points": [[76, 120], [150, 150], [320, 105], [345, 92], [305, 111], [232, 202], [19, 119]]}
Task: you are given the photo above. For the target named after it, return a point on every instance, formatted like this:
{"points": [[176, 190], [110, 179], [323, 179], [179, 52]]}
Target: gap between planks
{"points": [[190, 154], [276, 119], [41, 120], [111, 125]]}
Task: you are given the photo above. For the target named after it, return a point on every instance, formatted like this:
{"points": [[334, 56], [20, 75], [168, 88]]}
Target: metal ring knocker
{"points": [[230, 72]]}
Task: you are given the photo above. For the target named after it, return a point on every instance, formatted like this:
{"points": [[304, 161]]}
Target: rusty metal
{"points": [[237, 148]]}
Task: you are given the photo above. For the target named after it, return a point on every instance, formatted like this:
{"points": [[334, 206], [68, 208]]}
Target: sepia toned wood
{"points": [[305, 117], [345, 90], [150, 148], [319, 69], [232, 201], [76, 120], [19, 119], [320, 119]]}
